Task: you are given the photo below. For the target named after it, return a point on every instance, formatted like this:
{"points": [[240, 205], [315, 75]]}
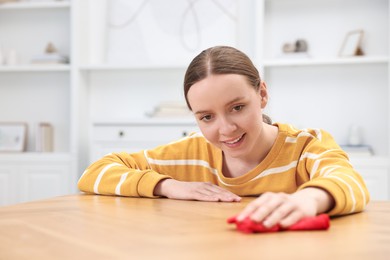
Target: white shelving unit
{"points": [[335, 61], [322, 89], [33, 93], [91, 95], [324, 83]]}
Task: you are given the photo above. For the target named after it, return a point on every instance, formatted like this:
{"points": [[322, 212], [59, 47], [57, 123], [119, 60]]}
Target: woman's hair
{"points": [[221, 60]]}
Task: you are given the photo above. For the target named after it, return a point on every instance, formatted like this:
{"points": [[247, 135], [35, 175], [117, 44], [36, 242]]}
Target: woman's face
{"points": [[228, 111]]}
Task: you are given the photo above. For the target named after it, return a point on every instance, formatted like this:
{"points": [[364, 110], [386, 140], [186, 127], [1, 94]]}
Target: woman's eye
{"points": [[238, 108], [206, 118]]}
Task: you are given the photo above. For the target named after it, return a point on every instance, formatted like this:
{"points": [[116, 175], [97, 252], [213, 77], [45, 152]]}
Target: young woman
{"points": [[295, 173]]}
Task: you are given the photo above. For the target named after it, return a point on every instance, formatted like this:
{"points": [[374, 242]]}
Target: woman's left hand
{"points": [[287, 209]]}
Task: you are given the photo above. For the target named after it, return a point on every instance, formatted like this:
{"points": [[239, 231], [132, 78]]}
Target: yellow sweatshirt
{"points": [[298, 159]]}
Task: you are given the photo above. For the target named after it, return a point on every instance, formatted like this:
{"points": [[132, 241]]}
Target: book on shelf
{"points": [[358, 150], [49, 58], [44, 138], [294, 55], [170, 109]]}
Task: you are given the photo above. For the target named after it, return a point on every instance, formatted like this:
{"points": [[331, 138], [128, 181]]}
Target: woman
{"points": [[295, 173]]}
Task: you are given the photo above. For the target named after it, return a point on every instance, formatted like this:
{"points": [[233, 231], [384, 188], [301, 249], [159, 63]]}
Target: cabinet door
{"points": [[108, 139], [39, 182], [377, 181], [7, 185]]}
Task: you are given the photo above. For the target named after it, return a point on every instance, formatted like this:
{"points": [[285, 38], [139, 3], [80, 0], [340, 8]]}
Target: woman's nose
{"points": [[226, 126]]}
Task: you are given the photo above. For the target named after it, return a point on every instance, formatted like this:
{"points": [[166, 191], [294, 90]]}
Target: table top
{"points": [[104, 227]]}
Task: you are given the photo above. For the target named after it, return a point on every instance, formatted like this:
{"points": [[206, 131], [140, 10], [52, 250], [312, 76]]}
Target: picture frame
{"points": [[13, 137], [351, 44]]}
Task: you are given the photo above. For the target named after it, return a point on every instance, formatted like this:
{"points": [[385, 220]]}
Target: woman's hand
{"points": [[203, 191], [287, 209]]}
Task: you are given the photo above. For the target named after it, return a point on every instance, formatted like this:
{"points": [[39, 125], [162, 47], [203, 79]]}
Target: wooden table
{"points": [[103, 227]]}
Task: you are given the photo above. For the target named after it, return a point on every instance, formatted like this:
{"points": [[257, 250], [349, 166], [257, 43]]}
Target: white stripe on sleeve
{"points": [[350, 191], [359, 186], [122, 180], [100, 176]]}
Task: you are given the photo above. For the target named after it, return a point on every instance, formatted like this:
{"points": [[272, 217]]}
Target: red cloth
{"points": [[320, 222]]}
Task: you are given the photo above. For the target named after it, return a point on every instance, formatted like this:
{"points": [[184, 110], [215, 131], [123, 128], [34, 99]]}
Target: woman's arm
{"points": [[287, 209], [120, 174], [130, 175], [163, 171], [203, 191], [327, 183]]}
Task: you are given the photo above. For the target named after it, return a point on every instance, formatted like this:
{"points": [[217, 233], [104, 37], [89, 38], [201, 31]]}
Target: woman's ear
{"points": [[263, 94]]}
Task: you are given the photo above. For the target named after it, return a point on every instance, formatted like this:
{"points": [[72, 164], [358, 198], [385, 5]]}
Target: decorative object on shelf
{"points": [[352, 44], [44, 137], [170, 109], [51, 56], [299, 45], [12, 58], [13, 137], [297, 49], [355, 135], [355, 146]]}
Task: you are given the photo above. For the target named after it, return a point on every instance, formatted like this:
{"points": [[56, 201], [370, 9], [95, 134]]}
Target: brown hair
{"points": [[221, 60]]}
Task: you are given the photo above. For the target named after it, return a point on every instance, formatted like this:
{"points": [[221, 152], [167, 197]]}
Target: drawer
{"points": [[154, 133], [134, 138]]}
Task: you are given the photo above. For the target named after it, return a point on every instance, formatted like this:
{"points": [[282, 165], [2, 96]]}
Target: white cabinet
{"points": [[375, 172], [43, 181], [7, 185], [29, 177], [137, 135]]}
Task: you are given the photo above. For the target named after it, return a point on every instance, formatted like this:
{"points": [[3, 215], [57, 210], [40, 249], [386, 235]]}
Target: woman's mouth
{"points": [[234, 142]]}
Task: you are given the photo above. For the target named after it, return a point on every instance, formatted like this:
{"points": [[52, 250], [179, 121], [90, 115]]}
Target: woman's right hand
{"points": [[203, 191]]}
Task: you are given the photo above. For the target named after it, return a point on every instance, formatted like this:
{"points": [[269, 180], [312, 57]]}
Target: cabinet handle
{"points": [[121, 134], [184, 133]]}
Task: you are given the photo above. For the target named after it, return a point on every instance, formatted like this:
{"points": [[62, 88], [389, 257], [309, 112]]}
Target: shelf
{"points": [[35, 68], [146, 121], [106, 67], [282, 62], [35, 5], [35, 157]]}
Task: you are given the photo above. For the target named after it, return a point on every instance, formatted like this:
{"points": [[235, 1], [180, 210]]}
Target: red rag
{"points": [[320, 222]]}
